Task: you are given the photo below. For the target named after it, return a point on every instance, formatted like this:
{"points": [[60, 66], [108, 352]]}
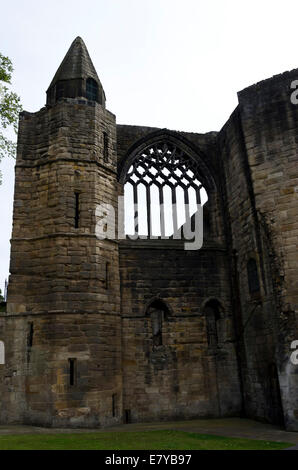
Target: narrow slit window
{"points": [[105, 147], [30, 334], [72, 371], [107, 275], [114, 398], [77, 210]]}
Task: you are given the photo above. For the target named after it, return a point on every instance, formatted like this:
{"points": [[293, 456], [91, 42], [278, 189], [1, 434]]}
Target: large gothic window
{"points": [[162, 191]]}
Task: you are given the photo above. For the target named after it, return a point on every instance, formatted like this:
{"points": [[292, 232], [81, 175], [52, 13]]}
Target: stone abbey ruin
{"points": [[104, 331]]}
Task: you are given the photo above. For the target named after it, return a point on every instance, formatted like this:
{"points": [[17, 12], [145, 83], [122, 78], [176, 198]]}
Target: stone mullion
{"points": [[135, 205], [174, 210], [186, 205], [148, 200], [198, 194]]}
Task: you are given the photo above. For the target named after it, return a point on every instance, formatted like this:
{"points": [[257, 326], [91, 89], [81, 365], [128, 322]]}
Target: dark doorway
{"points": [[127, 417], [275, 404]]}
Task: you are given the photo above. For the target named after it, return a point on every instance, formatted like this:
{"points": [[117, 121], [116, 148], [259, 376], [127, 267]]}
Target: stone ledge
{"points": [[167, 244], [57, 312]]}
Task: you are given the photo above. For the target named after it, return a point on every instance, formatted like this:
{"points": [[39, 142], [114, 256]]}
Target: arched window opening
{"points": [[2, 353], [253, 277], [212, 314], [156, 322], [162, 191], [91, 90], [158, 313]]}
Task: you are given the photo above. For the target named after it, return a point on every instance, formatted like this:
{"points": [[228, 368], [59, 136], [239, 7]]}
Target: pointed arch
{"points": [[215, 302], [204, 167], [157, 302]]}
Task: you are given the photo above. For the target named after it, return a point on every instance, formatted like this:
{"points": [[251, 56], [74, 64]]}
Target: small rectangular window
{"points": [[77, 210], [105, 147], [72, 371]]}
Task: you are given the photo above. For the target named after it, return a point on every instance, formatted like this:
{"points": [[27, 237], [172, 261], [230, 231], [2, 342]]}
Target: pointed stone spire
{"points": [[76, 77]]}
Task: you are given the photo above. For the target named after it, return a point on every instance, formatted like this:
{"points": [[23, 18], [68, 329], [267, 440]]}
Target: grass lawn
{"points": [[148, 440]]}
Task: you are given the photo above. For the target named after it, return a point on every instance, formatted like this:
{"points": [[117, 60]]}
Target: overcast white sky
{"points": [[163, 63]]}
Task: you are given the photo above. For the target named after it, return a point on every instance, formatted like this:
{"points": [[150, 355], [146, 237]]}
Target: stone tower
{"points": [[64, 284], [101, 331]]}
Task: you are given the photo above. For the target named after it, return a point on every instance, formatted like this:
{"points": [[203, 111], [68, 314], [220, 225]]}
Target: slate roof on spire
{"points": [[76, 64]]}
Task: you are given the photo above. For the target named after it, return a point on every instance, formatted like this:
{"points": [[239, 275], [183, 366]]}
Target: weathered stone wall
{"points": [[36, 388], [269, 123], [256, 330], [183, 378], [259, 154]]}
